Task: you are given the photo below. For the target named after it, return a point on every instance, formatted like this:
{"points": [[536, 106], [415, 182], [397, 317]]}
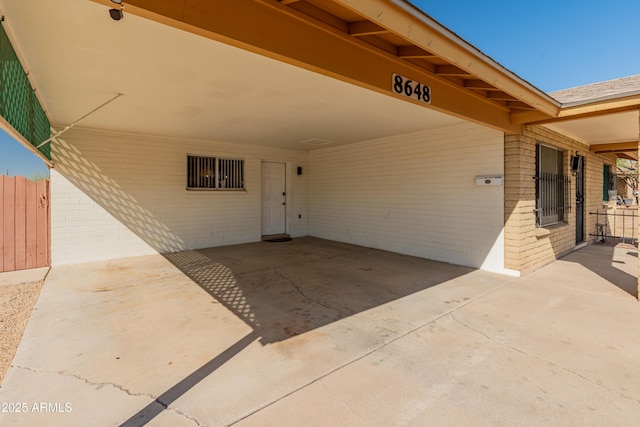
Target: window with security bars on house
{"points": [[552, 186], [213, 173]]}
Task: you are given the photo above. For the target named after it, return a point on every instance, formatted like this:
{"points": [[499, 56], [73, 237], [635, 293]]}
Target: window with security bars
{"points": [[552, 186], [213, 173]]}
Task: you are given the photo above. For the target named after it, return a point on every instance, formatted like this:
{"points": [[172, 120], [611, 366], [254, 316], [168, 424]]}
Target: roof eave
{"points": [[603, 105], [491, 71], [602, 99]]}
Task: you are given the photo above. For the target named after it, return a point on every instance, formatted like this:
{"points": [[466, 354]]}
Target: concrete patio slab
{"points": [[314, 332]]}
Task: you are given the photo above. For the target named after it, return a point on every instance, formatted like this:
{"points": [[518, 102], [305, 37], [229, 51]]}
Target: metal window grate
{"points": [[214, 173], [553, 198], [230, 173]]}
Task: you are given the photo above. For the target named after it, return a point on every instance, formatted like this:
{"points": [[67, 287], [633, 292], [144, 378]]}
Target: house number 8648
{"points": [[410, 88]]}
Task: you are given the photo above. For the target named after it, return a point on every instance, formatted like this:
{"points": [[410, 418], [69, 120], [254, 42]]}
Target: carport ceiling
{"points": [[182, 85], [609, 128], [615, 133], [603, 115]]}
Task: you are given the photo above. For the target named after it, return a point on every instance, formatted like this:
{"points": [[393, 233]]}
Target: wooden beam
{"points": [[321, 15], [537, 119], [518, 105], [414, 52], [365, 28], [280, 32], [501, 96], [288, 1], [628, 156], [450, 70], [529, 117], [617, 147], [381, 43], [479, 84]]}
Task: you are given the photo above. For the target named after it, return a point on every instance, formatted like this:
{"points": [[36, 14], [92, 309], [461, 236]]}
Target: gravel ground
{"points": [[16, 304]]}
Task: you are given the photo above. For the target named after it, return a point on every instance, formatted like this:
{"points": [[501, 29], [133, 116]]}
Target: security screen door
{"points": [[580, 201]]}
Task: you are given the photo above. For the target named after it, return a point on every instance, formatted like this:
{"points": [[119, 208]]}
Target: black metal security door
{"points": [[580, 201]]}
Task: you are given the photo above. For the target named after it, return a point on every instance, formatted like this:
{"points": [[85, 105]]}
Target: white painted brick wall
{"points": [[414, 194], [83, 230], [117, 195]]}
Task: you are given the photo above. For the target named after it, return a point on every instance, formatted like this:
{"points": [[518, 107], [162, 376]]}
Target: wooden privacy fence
{"points": [[24, 223]]}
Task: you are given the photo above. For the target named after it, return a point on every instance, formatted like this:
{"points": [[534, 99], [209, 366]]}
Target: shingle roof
{"points": [[609, 89]]}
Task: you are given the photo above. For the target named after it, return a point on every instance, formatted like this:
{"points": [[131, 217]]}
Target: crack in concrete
{"points": [[297, 288], [118, 387], [579, 375], [185, 415], [102, 384]]}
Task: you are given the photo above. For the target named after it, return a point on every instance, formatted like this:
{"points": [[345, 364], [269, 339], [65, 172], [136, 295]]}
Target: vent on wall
{"points": [[490, 180]]}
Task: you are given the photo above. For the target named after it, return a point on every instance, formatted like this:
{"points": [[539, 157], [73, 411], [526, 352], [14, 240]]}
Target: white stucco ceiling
{"points": [[182, 85]]}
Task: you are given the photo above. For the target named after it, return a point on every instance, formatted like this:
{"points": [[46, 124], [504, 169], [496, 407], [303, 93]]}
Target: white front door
{"points": [[273, 198]]}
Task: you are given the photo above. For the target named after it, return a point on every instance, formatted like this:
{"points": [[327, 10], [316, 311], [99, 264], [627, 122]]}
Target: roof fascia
{"points": [[603, 105], [411, 23]]}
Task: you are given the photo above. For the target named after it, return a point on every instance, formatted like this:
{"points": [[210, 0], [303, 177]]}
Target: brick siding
{"points": [[528, 247]]}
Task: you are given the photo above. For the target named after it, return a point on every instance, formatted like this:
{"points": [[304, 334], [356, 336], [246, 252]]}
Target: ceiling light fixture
{"points": [[117, 14]]}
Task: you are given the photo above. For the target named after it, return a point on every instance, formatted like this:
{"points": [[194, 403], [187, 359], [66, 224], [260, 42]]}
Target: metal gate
{"points": [[619, 225], [580, 200], [24, 223]]}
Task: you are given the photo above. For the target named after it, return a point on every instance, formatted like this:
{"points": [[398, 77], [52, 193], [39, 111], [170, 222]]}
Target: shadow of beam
{"points": [[163, 401]]}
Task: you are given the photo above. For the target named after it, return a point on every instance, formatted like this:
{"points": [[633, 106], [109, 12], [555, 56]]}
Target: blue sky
{"points": [[17, 160], [552, 44]]}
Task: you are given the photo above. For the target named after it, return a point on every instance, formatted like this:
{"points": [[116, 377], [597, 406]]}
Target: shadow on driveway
{"points": [[287, 288], [162, 402], [617, 264]]}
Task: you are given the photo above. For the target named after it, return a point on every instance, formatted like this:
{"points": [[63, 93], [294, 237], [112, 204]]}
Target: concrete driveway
{"points": [[312, 332]]}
